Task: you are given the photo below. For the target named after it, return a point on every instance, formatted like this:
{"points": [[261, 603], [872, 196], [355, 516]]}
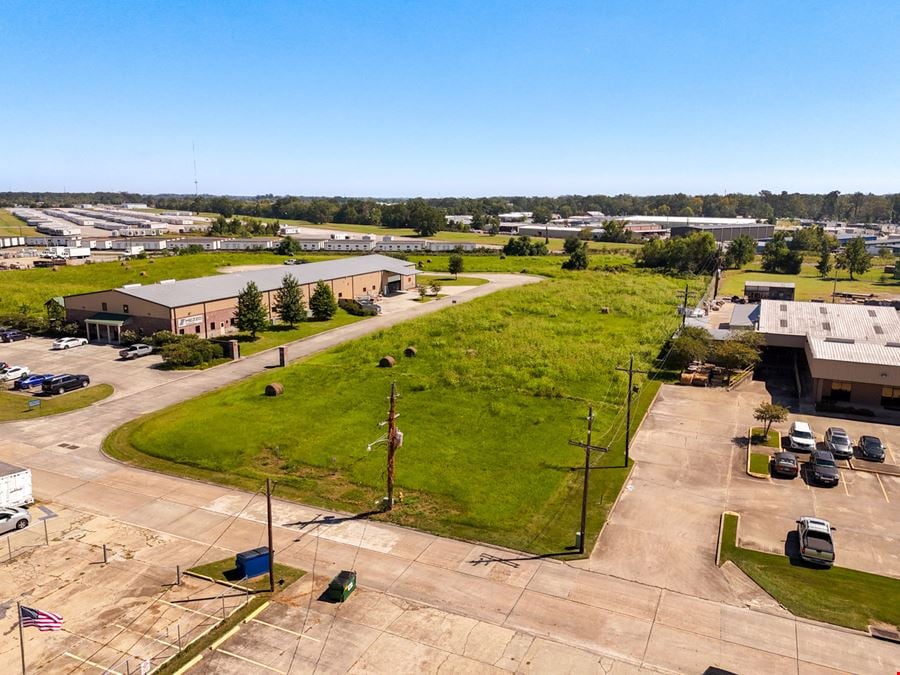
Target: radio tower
{"points": [[194, 153]]}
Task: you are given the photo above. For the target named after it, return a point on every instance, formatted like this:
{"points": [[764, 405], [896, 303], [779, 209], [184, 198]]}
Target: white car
{"points": [[14, 373], [801, 437], [67, 342]]}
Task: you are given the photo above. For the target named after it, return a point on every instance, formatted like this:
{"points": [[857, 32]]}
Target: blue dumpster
{"points": [[252, 563]]}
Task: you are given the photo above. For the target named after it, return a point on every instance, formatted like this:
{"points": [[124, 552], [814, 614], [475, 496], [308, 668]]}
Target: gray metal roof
{"points": [[851, 351], [744, 316], [769, 284], [820, 320], [220, 286]]}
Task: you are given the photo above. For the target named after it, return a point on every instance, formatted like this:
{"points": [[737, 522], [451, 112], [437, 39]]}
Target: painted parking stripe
{"points": [[91, 663], [844, 483], [189, 609], [883, 491], [255, 663], [292, 632]]}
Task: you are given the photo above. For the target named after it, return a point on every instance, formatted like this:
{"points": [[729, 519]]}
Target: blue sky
{"points": [[450, 98]]}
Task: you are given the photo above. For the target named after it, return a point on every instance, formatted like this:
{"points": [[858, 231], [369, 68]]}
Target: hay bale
{"points": [[410, 351], [143, 274], [274, 389], [687, 378], [387, 362]]}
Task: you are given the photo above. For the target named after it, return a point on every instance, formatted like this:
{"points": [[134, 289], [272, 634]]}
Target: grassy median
{"points": [[14, 406], [499, 386], [838, 595]]}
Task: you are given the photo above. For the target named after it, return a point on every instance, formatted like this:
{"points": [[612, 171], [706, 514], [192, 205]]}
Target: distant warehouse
{"points": [[206, 306], [727, 231]]}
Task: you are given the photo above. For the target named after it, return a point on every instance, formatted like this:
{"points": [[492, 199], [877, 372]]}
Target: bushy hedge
{"points": [[181, 351], [355, 308]]}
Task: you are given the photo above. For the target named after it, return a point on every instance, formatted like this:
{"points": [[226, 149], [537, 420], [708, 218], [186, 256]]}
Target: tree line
{"points": [[764, 205]]}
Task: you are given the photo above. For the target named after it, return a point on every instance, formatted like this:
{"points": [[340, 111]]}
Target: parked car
{"points": [[13, 335], [134, 351], [13, 518], [816, 542], [30, 381], [838, 443], [61, 383], [68, 342], [823, 469], [871, 447], [14, 373], [786, 464], [291, 261], [800, 437]]}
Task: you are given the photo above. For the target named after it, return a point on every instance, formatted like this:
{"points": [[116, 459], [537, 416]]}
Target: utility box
{"points": [[15, 485], [252, 563], [341, 586]]}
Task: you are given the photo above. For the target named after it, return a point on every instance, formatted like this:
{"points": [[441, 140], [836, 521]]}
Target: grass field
{"points": [[14, 406], [838, 595], [498, 387], [279, 335], [450, 281], [759, 463], [12, 226], [548, 265], [224, 570], [810, 285], [769, 440]]}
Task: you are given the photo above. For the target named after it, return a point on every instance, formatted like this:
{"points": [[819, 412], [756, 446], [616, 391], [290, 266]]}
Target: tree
{"points": [[741, 251], [455, 265], [855, 259], [692, 344], [523, 246], [768, 413], [289, 301], [777, 257], [435, 286], [541, 214], [615, 231], [577, 251], [735, 355], [423, 291], [824, 264], [251, 315], [424, 219], [288, 246], [322, 303]]}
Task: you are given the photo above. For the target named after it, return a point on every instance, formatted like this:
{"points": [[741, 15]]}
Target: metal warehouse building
{"points": [[853, 351], [727, 232], [206, 306]]}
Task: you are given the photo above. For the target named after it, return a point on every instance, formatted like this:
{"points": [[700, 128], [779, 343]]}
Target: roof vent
{"points": [[784, 308], [878, 329], [823, 310], [872, 312], [826, 326], [784, 323]]}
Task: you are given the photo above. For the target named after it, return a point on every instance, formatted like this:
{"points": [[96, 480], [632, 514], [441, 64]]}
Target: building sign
{"points": [[190, 321]]}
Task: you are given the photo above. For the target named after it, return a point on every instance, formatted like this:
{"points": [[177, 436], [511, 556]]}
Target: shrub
{"points": [[355, 308], [129, 337], [162, 338], [189, 350]]}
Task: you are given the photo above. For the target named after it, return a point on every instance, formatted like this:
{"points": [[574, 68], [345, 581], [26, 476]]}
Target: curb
{"points": [[762, 476], [721, 528], [217, 581]]}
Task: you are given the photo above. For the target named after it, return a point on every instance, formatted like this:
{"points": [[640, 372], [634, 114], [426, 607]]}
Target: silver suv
{"points": [[838, 443], [801, 437]]}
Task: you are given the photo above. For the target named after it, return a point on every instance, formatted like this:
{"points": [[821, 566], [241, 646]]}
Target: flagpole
{"points": [[21, 636]]}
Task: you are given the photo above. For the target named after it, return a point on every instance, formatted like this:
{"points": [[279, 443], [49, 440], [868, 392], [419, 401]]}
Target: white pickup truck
{"points": [[135, 351], [816, 543]]}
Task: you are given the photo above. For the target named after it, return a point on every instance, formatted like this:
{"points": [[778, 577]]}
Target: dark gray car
{"points": [[822, 468], [871, 447], [838, 443]]}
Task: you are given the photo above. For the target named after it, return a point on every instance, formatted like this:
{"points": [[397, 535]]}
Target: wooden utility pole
{"points": [[269, 527], [631, 371], [394, 438], [587, 469], [684, 305]]}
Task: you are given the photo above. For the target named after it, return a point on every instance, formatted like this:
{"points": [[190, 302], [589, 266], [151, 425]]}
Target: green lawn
{"points": [[770, 440], [279, 335], [12, 226], [224, 570], [498, 387], [547, 265], [810, 285], [14, 406], [450, 281], [759, 463], [838, 595]]}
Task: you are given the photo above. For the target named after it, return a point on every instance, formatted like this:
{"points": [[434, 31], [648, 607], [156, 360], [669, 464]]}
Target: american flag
{"points": [[39, 619]]}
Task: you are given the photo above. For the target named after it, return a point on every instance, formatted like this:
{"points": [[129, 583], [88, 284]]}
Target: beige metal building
{"points": [[853, 351], [206, 306]]}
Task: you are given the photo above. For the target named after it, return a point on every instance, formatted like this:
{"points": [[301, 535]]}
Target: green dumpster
{"points": [[341, 586]]}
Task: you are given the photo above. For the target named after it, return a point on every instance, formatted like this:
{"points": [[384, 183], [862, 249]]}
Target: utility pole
{"points": [[631, 371], [394, 438], [587, 468], [687, 293], [269, 527]]}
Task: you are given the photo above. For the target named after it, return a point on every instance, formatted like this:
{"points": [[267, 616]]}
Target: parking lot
{"points": [[100, 362], [691, 466]]}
